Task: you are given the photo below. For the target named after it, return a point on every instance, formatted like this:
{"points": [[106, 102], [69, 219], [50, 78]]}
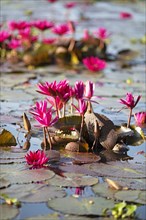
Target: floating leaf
{"points": [[29, 176], [73, 180], [82, 206], [114, 185], [34, 192], [8, 212], [4, 183], [7, 139], [131, 196], [11, 155], [103, 190]]}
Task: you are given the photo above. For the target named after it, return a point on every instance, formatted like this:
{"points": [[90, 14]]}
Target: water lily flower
{"points": [[140, 118], [43, 24], [14, 44], [60, 29], [79, 89], [79, 190], [49, 40], [86, 35], [4, 35], [70, 5], [102, 33], [18, 25], [63, 90], [52, 1], [43, 115], [125, 15], [36, 158], [89, 89], [48, 89], [94, 64], [130, 103]]}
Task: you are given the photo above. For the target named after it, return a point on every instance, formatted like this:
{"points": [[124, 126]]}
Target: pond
{"points": [[77, 185]]}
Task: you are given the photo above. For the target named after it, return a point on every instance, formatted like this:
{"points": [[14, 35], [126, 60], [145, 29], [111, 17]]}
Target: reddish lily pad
{"points": [[33, 192], [73, 180], [81, 206], [8, 212]]}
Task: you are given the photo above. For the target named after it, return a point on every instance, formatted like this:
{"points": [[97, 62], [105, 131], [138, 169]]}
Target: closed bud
{"points": [[26, 122]]}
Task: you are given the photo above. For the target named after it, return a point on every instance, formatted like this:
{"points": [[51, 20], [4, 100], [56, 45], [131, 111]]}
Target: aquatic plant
{"points": [[130, 103], [94, 64], [36, 158], [140, 118]]}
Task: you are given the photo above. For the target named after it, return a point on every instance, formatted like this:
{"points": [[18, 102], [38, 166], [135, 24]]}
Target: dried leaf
{"points": [[7, 139]]}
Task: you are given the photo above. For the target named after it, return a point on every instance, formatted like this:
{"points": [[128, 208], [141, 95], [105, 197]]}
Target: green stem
{"points": [[71, 105], [64, 105], [129, 119], [57, 111]]}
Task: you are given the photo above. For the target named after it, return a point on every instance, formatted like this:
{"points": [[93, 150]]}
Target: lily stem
{"points": [[45, 140], [49, 138], [82, 123], [129, 119]]}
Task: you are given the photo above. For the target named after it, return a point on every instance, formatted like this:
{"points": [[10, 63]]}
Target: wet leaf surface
{"points": [[4, 183], [33, 193], [8, 212], [7, 139], [83, 206], [73, 180]]}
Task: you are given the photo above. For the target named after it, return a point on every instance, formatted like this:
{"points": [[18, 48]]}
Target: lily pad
{"points": [[7, 139], [73, 180], [131, 196], [8, 212], [33, 192], [82, 206], [29, 176], [103, 190], [4, 183]]}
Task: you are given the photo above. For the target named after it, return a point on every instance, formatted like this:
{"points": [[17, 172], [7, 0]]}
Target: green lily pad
{"points": [[80, 206], [4, 183], [103, 190], [131, 196], [73, 180], [8, 212], [29, 176], [11, 155], [7, 139], [33, 192]]}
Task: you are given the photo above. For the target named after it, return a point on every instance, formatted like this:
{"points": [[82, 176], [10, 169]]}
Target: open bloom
{"points": [[125, 15], [63, 90], [82, 107], [70, 5], [140, 117], [18, 25], [79, 89], [14, 44], [48, 88], [43, 115], [49, 40], [36, 158], [55, 101], [4, 35], [94, 63], [43, 24], [61, 29], [102, 33], [52, 1], [129, 101]]}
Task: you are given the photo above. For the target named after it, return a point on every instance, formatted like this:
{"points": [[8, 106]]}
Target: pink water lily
{"points": [[70, 5], [49, 40], [94, 64], [125, 15], [4, 35], [43, 24], [18, 25], [43, 115], [130, 103], [82, 107], [140, 118], [89, 89], [48, 89], [79, 89], [61, 29], [63, 90], [14, 44], [102, 33], [52, 1], [36, 158]]}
